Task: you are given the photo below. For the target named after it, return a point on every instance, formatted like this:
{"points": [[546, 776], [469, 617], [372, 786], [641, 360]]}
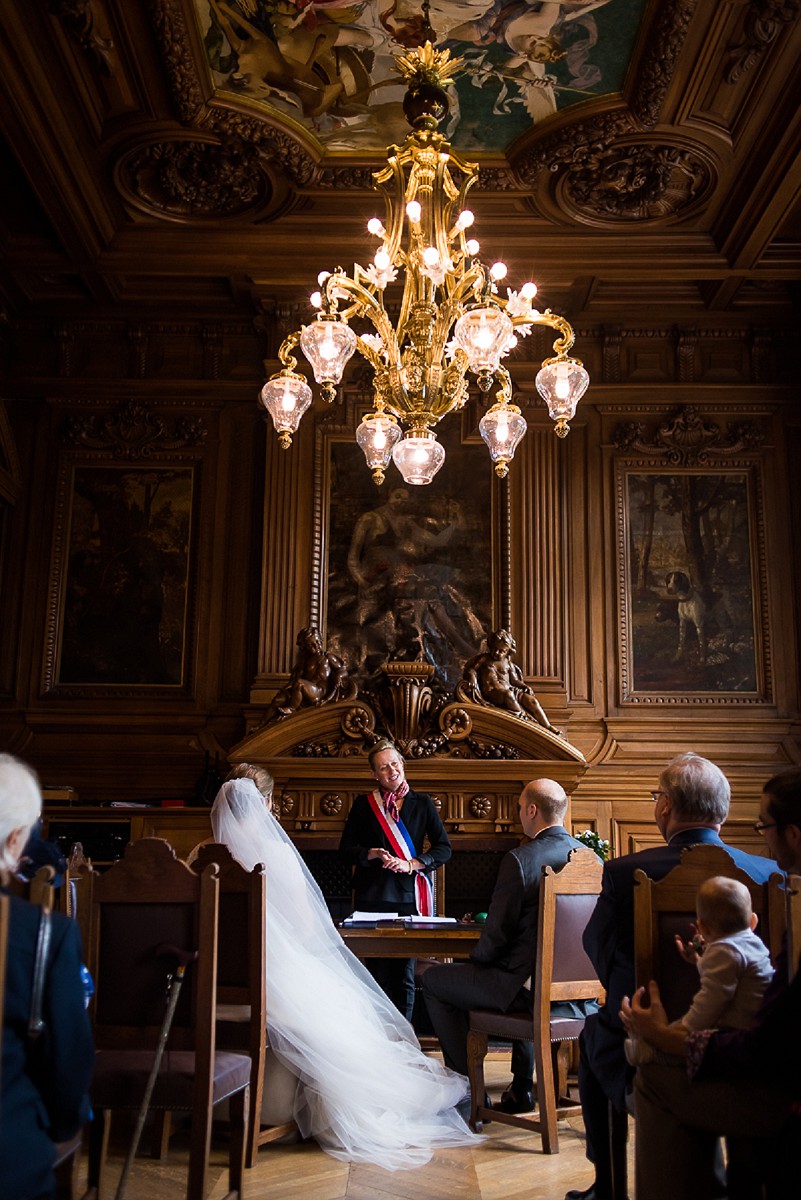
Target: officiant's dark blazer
{"points": [[378, 890]]}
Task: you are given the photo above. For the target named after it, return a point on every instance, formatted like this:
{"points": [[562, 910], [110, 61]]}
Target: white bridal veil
{"points": [[368, 1093]]}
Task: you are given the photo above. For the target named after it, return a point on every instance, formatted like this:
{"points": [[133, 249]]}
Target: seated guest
{"points": [[690, 805], [263, 781], [498, 977], [744, 1083], [733, 964], [38, 852], [44, 1083]]}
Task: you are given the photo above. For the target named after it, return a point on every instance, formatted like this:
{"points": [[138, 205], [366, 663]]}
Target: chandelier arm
{"points": [[563, 343], [284, 352]]}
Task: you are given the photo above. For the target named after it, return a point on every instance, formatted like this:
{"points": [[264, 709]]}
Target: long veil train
{"points": [[368, 1093]]}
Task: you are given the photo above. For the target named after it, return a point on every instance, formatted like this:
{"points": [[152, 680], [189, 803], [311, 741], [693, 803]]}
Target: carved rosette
{"points": [[636, 182], [192, 178], [480, 807], [331, 804], [287, 804]]}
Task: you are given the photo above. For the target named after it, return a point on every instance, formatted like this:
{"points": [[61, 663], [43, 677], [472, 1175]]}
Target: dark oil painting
{"points": [[125, 600], [410, 568], [689, 584]]}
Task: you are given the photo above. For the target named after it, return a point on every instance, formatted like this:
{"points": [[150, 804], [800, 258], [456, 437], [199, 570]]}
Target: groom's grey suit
{"points": [[501, 960]]}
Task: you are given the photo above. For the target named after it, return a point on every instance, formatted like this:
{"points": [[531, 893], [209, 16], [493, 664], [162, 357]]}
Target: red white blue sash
{"points": [[400, 840]]}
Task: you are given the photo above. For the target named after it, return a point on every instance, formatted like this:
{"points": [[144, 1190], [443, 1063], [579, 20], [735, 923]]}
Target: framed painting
{"points": [[120, 578], [691, 572], [409, 572]]}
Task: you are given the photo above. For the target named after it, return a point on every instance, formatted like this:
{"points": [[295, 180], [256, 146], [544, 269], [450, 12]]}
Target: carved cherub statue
{"points": [[316, 678], [492, 679]]}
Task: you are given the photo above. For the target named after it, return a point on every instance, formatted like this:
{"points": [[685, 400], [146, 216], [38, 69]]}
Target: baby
{"points": [[733, 964]]}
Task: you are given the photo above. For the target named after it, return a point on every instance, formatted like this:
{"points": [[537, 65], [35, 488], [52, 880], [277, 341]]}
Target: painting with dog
{"points": [[690, 601]]}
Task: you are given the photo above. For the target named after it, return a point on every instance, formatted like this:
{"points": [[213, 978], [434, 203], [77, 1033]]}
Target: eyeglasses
{"points": [[761, 826], [656, 794]]}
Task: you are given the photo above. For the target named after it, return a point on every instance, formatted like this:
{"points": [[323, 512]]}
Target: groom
{"points": [[383, 839]]}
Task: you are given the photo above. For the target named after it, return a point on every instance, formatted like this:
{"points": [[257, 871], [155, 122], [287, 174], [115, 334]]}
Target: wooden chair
{"points": [[793, 910], [667, 907], [242, 986], [38, 890], [560, 971], [144, 903], [4, 907]]}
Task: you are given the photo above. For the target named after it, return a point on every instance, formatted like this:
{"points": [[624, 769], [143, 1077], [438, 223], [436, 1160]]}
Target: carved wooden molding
{"points": [[78, 20], [764, 22], [133, 432], [687, 440], [637, 181], [194, 178]]}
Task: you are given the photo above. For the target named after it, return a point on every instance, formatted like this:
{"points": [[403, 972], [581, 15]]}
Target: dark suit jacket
{"points": [[508, 939], [379, 890], [609, 942], [40, 1107]]}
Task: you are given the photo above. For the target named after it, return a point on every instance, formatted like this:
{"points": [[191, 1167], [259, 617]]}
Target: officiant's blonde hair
{"points": [[382, 744]]}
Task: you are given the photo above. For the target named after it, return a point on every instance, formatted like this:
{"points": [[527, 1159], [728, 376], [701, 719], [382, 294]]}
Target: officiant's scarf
{"points": [[400, 840]]}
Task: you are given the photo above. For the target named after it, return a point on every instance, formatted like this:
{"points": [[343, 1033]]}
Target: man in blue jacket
{"points": [[691, 804]]}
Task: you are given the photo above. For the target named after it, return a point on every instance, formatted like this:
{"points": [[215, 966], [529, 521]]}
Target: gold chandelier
{"points": [[452, 318]]}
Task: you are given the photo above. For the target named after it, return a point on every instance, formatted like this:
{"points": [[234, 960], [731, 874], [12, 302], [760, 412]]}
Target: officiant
{"points": [[384, 839]]}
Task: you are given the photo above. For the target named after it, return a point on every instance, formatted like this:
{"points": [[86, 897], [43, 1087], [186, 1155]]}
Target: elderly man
{"points": [[690, 805], [743, 1084], [498, 975]]}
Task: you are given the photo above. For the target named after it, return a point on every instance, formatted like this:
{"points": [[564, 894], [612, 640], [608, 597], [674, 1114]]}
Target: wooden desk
{"points": [[399, 941]]}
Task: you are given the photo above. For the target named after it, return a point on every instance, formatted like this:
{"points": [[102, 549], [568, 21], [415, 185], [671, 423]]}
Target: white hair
{"points": [[20, 804]]}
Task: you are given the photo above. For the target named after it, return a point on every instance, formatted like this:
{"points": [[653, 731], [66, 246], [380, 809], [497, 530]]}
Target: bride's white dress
{"points": [[368, 1093]]}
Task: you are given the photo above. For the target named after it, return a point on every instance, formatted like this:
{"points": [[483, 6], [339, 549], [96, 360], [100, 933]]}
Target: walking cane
{"points": [[184, 958]]}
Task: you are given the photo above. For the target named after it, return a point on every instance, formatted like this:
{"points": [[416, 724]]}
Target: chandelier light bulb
{"points": [[528, 290], [321, 278], [381, 260], [380, 439], [413, 211], [562, 385], [498, 270], [466, 219], [431, 256], [484, 336], [472, 247], [316, 299], [374, 226]]}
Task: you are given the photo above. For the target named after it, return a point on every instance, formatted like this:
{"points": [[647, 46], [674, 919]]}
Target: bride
{"points": [[366, 1092]]}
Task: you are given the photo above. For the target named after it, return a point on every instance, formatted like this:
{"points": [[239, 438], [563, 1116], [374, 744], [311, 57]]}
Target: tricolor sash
{"points": [[400, 840]]}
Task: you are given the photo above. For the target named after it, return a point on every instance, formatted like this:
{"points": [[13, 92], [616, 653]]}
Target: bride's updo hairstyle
{"points": [[260, 776]]}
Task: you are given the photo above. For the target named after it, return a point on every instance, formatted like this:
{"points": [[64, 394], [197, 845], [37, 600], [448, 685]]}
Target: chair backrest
{"points": [[793, 902], [38, 890], [665, 907], [562, 970], [4, 907], [242, 944], [146, 901]]}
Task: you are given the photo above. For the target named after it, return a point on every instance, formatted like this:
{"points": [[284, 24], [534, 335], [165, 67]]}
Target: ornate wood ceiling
{"points": [[138, 178]]}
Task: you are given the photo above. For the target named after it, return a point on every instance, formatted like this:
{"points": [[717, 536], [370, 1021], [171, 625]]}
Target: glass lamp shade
{"points": [[328, 345], [377, 436], [482, 333], [502, 428], [286, 398], [562, 382], [418, 457]]}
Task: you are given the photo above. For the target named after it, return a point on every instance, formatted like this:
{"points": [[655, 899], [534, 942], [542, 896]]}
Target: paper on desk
{"points": [[364, 917], [368, 916]]}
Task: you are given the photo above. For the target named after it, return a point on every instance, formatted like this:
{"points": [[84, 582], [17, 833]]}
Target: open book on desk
{"points": [[366, 919]]}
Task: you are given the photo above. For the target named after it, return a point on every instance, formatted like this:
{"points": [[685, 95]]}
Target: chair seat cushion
{"points": [[519, 1025], [121, 1077]]}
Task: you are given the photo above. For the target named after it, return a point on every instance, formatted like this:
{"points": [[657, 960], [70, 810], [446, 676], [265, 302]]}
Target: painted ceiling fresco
{"points": [[326, 65]]}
